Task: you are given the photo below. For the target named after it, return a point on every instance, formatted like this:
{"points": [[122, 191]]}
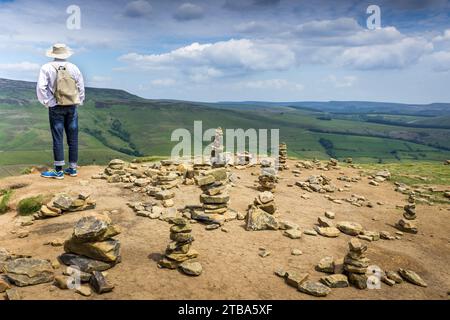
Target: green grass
{"points": [[30, 205], [410, 173], [5, 197]]}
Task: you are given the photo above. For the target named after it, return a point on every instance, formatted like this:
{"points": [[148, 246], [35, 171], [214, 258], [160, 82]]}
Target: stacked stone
{"points": [[179, 252], [282, 157], [63, 203], [215, 198], [167, 179], [93, 238], [261, 214], [268, 178], [407, 223], [115, 171], [356, 263], [92, 249]]}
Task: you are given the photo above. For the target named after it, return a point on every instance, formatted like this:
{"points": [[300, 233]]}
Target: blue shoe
{"points": [[71, 172], [53, 174]]}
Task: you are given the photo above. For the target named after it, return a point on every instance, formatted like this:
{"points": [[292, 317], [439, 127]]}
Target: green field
{"points": [[115, 124]]}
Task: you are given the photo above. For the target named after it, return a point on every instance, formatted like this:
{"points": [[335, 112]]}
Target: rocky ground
{"points": [[241, 264]]}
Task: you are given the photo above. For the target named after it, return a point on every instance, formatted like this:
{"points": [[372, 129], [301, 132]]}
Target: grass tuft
{"points": [[30, 205], [6, 196]]}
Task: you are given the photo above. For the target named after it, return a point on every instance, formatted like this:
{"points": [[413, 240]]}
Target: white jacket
{"points": [[45, 87]]}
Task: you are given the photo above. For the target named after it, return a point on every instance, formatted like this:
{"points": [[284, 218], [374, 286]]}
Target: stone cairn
{"points": [[282, 157], [317, 183], [268, 178], [214, 198], [92, 249], [114, 172], [407, 223], [356, 263], [261, 214], [179, 253], [63, 203]]}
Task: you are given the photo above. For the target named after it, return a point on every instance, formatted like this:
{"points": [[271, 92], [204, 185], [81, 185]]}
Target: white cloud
{"points": [[276, 84], [138, 8], [444, 37], [188, 11], [165, 82], [20, 67], [440, 61], [396, 55], [251, 27], [327, 28], [344, 82], [229, 57]]}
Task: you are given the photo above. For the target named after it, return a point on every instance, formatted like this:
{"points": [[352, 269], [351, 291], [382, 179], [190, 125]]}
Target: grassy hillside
{"points": [[114, 123]]}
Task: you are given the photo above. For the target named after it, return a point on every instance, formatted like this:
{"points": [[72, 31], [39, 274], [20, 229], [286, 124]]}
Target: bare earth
{"points": [[232, 268]]}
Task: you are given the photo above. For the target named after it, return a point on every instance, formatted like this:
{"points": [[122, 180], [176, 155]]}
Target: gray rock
{"points": [[258, 219], [293, 233], [326, 265], [350, 228], [13, 294], [29, 271], [63, 202], [99, 283], [294, 279], [191, 268], [412, 277], [335, 281], [85, 264], [314, 288]]}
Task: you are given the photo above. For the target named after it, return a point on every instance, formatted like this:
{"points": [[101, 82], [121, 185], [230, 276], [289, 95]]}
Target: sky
{"points": [[235, 50]]}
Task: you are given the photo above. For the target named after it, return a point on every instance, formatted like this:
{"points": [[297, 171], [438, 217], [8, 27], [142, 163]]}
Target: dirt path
{"points": [[232, 268]]}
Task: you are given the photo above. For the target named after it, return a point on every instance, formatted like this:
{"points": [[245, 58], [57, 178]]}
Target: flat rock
{"points": [[63, 202], [350, 228], [94, 228], [330, 232], [107, 251], [412, 277], [84, 264], [326, 265], [84, 290], [293, 233], [29, 271], [294, 279], [13, 294], [316, 289], [258, 219], [335, 281], [330, 214], [392, 275], [191, 268]]}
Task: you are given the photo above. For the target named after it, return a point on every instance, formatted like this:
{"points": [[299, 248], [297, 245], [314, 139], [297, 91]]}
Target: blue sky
{"points": [[278, 50]]}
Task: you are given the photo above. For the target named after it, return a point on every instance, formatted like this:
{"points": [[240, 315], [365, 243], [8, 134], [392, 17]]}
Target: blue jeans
{"points": [[64, 118]]}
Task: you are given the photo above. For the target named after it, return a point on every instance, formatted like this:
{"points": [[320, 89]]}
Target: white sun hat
{"points": [[59, 51]]}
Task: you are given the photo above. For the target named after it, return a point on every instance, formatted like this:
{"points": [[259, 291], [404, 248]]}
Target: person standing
{"points": [[60, 88]]}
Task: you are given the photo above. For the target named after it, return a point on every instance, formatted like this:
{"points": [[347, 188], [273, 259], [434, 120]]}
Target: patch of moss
{"points": [[30, 205], [6, 195]]}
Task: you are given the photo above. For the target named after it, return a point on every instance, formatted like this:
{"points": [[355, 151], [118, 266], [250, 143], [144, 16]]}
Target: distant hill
{"points": [[115, 123]]}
